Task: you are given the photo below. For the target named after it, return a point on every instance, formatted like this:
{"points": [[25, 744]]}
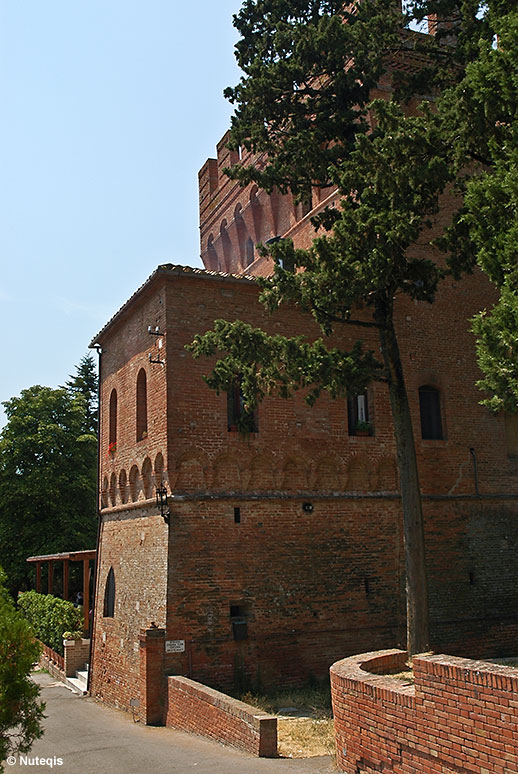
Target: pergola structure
{"points": [[69, 556]]}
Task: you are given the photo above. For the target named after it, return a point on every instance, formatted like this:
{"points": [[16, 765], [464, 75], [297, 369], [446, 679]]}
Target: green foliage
{"points": [[76, 635], [21, 711], [48, 464], [497, 349], [278, 364], [304, 104], [50, 617], [86, 383], [478, 121]]}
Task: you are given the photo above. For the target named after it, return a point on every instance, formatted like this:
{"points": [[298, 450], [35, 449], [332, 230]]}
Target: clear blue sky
{"points": [[109, 109]]}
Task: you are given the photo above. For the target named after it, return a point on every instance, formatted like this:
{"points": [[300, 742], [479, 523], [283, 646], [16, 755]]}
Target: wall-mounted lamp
{"points": [[154, 331], [162, 503], [155, 359]]}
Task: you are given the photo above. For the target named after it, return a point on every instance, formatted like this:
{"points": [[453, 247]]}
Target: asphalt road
{"points": [[90, 738]]}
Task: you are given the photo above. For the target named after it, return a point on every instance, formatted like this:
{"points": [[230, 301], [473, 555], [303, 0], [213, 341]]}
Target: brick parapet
{"points": [[76, 654], [461, 715], [151, 677], [199, 709]]}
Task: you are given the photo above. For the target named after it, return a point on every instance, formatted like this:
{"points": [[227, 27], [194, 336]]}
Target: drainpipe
{"points": [[475, 469], [98, 348]]}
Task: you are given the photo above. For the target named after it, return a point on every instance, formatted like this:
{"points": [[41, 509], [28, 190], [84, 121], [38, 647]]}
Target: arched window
{"points": [[141, 405], [430, 410], [112, 438], [109, 595]]}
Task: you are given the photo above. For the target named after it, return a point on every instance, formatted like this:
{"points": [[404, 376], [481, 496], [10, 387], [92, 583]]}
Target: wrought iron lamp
{"points": [[162, 503]]}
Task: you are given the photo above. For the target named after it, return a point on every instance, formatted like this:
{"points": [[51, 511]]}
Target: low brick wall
{"points": [[201, 710], [76, 655], [53, 662], [460, 717]]}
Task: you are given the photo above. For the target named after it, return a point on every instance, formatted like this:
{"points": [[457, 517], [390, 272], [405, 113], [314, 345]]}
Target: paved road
{"points": [[93, 739]]}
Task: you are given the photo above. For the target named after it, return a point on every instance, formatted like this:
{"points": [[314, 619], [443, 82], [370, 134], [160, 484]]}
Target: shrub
{"points": [[21, 712], [50, 617]]}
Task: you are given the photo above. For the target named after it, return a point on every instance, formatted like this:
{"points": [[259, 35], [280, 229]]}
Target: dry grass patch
{"points": [[305, 737], [305, 725], [406, 675]]}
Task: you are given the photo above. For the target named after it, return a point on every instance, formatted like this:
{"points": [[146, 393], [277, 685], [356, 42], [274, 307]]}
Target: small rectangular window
{"points": [[358, 415], [430, 410], [237, 515], [238, 418], [238, 619]]}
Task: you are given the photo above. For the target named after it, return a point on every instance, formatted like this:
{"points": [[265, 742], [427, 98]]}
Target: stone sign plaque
{"points": [[175, 646]]}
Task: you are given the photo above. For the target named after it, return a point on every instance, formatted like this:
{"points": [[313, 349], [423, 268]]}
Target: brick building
{"points": [[284, 547]]}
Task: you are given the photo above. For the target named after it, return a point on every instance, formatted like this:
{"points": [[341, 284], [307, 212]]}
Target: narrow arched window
{"points": [[109, 595], [112, 439], [141, 405], [430, 410]]}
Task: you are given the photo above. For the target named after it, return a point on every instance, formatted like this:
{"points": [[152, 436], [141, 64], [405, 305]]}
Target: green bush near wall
{"points": [[49, 617]]}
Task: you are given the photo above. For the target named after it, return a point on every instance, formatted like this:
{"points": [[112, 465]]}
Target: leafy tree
{"points": [[86, 383], [491, 206], [304, 102], [47, 478], [21, 711]]}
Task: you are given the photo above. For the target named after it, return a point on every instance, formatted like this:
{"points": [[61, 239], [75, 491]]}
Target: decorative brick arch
{"points": [[104, 493], [147, 478], [359, 473], [295, 473], [113, 489], [134, 483], [123, 486], [328, 473], [190, 470], [227, 472], [262, 472], [257, 213], [226, 246], [387, 475], [158, 469], [212, 254]]}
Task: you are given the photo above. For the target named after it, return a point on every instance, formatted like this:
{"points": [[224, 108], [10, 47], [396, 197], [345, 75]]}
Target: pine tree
{"points": [[304, 103]]}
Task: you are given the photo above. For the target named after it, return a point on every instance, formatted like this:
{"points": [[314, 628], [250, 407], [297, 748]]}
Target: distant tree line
{"points": [[48, 464]]}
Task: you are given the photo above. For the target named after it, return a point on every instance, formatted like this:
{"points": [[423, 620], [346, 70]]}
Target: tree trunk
{"points": [[416, 585]]}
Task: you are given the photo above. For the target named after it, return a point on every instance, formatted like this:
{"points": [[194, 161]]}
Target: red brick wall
{"points": [[201, 710], [76, 655], [134, 543], [317, 585], [300, 577], [460, 716], [125, 352]]}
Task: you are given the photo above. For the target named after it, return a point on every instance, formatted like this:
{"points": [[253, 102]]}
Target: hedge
{"points": [[49, 617]]}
